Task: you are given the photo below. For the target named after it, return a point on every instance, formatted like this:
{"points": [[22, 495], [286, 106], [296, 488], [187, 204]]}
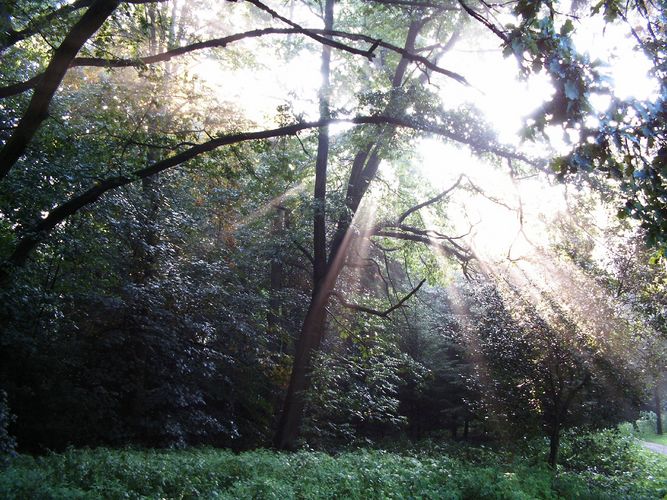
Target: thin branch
{"points": [[366, 53], [432, 233], [417, 4], [480, 18], [304, 251], [463, 256], [375, 312], [101, 62], [435, 199], [492, 199], [338, 322], [372, 263]]}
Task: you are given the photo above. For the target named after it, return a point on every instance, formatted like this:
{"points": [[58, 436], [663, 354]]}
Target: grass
{"points": [[655, 438], [645, 428], [595, 466]]}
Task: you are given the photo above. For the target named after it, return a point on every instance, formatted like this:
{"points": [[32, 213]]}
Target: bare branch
{"points": [[480, 18], [435, 199], [417, 4], [304, 251], [492, 199], [310, 33], [463, 256], [375, 312]]}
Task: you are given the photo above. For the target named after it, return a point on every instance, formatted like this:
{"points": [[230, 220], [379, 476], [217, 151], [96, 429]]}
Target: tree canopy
{"points": [[218, 222]]}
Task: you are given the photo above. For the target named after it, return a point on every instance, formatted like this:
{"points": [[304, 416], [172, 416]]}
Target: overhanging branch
{"points": [[461, 254], [310, 33], [101, 62], [34, 234], [375, 312], [480, 18], [435, 199]]}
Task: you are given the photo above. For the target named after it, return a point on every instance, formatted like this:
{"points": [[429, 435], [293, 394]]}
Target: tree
{"points": [[57, 176], [534, 361]]}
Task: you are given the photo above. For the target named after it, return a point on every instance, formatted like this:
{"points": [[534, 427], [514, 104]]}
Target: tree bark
{"points": [[554, 444]]}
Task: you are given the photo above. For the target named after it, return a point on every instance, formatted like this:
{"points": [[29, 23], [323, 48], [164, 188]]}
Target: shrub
{"points": [[646, 424]]}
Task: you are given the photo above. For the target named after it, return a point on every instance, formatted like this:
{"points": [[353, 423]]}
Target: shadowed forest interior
{"points": [[413, 248]]}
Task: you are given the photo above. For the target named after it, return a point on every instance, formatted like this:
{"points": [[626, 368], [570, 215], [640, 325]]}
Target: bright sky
{"points": [[506, 101], [495, 89]]}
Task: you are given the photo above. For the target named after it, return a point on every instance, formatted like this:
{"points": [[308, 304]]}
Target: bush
{"points": [[646, 424], [613, 461]]}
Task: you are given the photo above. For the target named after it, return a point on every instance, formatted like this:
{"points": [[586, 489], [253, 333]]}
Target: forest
{"points": [[333, 249]]}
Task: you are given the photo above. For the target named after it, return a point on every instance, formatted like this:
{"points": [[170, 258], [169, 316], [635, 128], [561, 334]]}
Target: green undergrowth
{"points": [[434, 471], [644, 428], [655, 438]]}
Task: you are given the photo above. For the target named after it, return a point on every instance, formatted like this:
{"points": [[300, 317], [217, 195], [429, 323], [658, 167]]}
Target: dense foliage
{"points": [[179, 269], [439, 472]]}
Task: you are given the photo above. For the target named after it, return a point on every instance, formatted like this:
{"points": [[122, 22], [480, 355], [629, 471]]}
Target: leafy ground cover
{"points": [[603, 465]]}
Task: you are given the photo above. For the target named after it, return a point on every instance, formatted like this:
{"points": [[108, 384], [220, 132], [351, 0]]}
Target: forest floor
{"points": [[604, 466]]}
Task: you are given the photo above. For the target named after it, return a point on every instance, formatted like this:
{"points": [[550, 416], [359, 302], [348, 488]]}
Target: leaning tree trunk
{"points": [[313, 325], [326, 271]]}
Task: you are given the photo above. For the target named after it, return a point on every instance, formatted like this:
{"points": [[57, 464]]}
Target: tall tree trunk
{"points": [[326, 271], [312, 329], [658, 408], [554, 444]]}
